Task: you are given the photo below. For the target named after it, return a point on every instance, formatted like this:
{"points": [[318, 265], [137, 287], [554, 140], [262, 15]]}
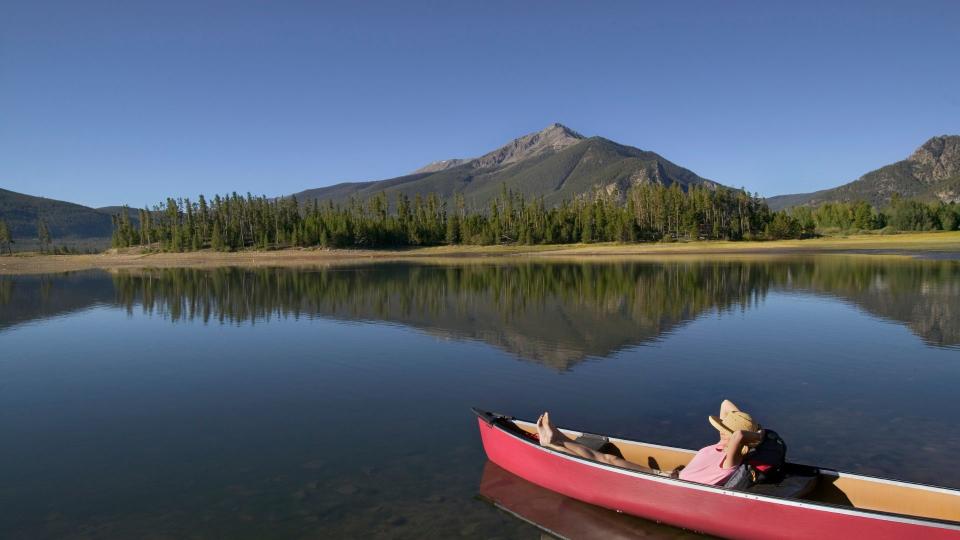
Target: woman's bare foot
{"points": [[542, 433], [549, 435]]}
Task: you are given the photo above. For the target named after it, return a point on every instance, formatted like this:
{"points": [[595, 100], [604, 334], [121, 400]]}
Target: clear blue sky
{"points": [[128, 102]]}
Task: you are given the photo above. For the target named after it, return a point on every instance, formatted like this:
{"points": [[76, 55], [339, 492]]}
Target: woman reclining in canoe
{"points": [[712, 465]]}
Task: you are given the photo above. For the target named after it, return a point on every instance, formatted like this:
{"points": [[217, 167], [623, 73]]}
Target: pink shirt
{"points": [[707, 467]]}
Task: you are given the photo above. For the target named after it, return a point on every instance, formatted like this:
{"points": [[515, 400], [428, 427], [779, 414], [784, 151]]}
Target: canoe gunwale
{"points": [[806, 504]]}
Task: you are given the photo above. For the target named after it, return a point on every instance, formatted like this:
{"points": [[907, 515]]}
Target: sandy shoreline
{"points": [[935, 245]]}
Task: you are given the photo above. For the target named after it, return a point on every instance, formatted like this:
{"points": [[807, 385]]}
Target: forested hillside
{"points": [[22, 214]]}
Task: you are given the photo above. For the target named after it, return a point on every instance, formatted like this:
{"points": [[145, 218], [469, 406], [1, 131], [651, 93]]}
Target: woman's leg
{"points": [[552, 437]]}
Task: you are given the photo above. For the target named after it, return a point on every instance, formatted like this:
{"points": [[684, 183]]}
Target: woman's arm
{"points": [[734, 449]]}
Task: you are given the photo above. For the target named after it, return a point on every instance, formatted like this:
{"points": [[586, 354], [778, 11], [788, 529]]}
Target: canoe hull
{"points": [[693, 506], [562, 516]]}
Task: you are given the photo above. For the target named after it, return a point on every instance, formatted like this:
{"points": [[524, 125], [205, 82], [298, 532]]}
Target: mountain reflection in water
{"points": [[556, 314]]}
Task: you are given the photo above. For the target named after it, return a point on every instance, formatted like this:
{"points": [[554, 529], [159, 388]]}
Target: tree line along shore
{"points": [[937, 244], [646, 213]]}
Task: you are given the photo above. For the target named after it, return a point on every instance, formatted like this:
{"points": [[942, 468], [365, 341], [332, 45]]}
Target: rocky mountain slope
{"points": [[556, 163], [554, 138], [931, 173]]}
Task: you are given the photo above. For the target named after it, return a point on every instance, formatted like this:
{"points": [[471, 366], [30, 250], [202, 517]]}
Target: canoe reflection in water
{"points": [[562, 516]]}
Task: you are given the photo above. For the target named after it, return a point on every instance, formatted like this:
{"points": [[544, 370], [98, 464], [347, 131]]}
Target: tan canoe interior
{"points": [[854, 491]]}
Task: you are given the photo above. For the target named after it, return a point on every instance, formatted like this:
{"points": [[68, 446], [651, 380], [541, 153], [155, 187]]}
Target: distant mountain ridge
{"points": [[64, 219], [556, 163], [931, 173]]}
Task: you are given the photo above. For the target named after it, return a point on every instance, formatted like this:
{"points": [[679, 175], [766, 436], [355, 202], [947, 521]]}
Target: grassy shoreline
{"points": [[909, 244]]}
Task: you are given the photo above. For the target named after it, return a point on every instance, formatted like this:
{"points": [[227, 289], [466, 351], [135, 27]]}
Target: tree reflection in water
{"points": [[556, 314]]}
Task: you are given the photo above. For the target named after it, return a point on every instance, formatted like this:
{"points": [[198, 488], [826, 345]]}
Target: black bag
{"points": [[599, 443], [764, 464]]}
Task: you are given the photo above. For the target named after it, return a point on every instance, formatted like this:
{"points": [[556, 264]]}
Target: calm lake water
{"points": [[335, 402]]}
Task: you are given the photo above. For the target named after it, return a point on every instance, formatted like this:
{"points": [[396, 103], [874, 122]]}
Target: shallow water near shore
{"points": [[285, 402]]}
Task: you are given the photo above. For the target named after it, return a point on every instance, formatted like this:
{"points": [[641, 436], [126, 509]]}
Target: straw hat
{"points": [[734, 421]]}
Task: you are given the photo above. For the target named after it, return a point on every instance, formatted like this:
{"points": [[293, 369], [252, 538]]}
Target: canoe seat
{"points": [[793, 486]]}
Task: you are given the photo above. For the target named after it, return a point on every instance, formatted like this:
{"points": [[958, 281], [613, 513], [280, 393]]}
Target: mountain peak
{"points": [[554, 164], [935, 146], [940, 155], [557, 128], [552, 138]]}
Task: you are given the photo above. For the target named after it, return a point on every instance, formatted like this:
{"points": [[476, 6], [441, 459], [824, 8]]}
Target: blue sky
{"points": [[129, 102]]}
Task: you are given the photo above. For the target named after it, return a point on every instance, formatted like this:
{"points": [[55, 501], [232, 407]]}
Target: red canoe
{"points": [[823, 504]]}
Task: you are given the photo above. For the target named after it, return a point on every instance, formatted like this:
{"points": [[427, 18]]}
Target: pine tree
{"points": [[453, 229], [43, 235], [216, 237], [6, 240]]}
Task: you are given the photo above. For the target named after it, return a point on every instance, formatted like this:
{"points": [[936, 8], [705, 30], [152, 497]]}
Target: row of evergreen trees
{"points": [[900, 215], [647, 212]]}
